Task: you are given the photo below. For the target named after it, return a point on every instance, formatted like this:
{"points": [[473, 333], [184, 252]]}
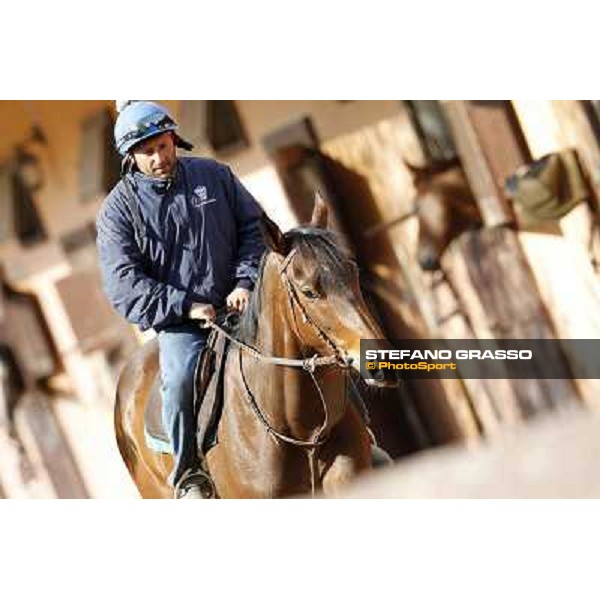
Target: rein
{"points": [[307, 364]]}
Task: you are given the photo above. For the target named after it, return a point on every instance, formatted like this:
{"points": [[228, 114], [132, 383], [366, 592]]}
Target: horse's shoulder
{"points": [[141, 367]]}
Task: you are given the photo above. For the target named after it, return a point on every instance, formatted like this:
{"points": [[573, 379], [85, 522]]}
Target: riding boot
{"points": [[195, 485]]}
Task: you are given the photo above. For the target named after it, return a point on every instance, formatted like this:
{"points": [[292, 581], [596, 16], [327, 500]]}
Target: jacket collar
{"points": [[155, 184]]}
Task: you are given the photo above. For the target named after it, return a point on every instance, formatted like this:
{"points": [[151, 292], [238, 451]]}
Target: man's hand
{"points": [[238, 299], [201, 311]]}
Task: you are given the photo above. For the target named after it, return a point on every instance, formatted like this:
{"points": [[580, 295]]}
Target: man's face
{"points": [[156, 156]]}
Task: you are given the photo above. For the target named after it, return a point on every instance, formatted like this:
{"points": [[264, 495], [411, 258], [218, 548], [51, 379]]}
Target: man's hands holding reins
{"points": [[237, 300], [202, 312]]}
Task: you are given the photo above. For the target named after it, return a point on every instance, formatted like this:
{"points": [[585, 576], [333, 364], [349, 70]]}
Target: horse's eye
{"points": [[310, 293]]}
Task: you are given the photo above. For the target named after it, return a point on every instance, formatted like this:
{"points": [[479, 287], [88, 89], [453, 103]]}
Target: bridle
{"points": [[342, 359], [337, 358]]}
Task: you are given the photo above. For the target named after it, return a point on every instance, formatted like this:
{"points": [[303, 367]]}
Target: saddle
{"points": [[550, 187], [208, 396]]}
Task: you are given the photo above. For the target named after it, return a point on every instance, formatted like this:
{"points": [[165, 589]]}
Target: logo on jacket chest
{"points": [[200, 197]]}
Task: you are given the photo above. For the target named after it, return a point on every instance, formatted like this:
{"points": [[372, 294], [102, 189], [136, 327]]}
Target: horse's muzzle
{"points": [[383, 378], [429, 262]]}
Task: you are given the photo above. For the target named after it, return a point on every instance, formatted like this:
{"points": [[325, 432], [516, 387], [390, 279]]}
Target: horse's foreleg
{"points": [[342, 471], [347, 453]]}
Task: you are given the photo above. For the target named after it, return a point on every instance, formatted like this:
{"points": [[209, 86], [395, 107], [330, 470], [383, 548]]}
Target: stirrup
{"points": [[371, 436], [379, 457], [199, 478]]}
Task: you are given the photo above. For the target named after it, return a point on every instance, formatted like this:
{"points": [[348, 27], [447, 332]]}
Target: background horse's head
{"points": [[319, 290], [445, 208]]}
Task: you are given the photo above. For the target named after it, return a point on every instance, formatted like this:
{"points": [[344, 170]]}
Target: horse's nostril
{"points": [[384, 378], [429, 263]]}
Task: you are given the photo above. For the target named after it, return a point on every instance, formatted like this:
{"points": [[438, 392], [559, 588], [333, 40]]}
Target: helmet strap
{"points": [[128, 164], [183, 144]]}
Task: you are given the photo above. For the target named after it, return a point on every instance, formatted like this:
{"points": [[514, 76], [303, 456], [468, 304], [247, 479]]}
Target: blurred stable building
{"points": [[510, 278]]}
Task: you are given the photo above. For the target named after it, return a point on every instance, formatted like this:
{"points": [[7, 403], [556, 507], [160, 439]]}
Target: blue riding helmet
{"points": [[140, 120]]}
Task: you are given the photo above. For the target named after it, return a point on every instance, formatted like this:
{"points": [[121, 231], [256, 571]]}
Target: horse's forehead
{"points": [[440, 200], [431, 204], [440, 183], [304, 265], [326, 265]]}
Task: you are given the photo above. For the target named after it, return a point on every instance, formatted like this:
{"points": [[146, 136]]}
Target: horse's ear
{"points": [[272, 234], [417, 173], [319, 216]]}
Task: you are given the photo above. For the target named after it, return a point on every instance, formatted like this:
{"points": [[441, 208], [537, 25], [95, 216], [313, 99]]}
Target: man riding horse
{"points": [[177, 237]]}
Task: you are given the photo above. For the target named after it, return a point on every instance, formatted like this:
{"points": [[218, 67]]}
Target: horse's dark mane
{"points": [[319, 246], [248, 323]]}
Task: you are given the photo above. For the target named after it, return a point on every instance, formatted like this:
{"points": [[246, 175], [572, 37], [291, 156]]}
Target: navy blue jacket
{"points": [[200, 238]]}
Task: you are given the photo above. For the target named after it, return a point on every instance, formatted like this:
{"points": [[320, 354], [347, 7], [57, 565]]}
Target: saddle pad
{"points": [[154, 431]]}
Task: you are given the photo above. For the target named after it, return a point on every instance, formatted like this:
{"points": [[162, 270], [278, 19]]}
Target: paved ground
{"points": [[554, 457]]}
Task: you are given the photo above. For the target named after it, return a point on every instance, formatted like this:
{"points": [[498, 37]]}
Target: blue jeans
{"points": [[179, 348]]}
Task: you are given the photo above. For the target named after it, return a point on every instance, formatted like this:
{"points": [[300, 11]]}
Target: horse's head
{"points": [[322, 297], [445, 208]]}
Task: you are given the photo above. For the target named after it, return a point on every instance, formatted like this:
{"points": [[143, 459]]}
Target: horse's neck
{"points": [[276, 334], [289, 395]]}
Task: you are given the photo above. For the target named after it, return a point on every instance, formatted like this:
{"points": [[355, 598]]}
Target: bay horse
{"points": [[445, 207], [284, 431]]}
